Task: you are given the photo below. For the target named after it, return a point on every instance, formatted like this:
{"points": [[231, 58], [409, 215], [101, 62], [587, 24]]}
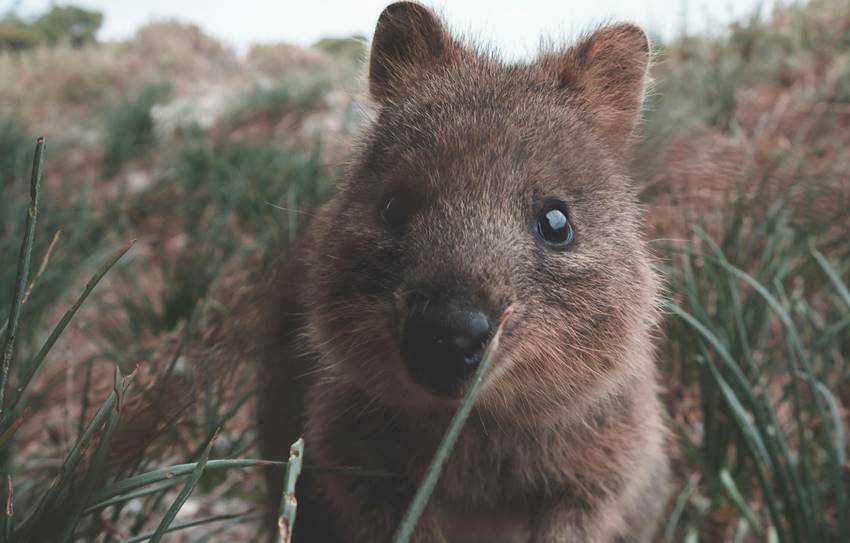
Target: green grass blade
{"points": [[99, 464], [289, 503], [832, 273], [195, 522], [819, 393], [432, 475], [9, 511], [678, 508], [41, 267], [37, 361], [840, 454], [184, 494], [9, 432], [72, 459], [162, 474], [837, 423], [735, 495], [753, 438], [23, 269], [124, 498]]}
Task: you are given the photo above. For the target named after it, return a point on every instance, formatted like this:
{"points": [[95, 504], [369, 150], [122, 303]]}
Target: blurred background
{"points": [[515, 27], [208, 131]]}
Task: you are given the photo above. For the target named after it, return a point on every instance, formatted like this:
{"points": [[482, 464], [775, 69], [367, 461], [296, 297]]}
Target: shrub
{"points": [[70, 24], [17, 36], [295, 92], [129, 128], [62, 24]]}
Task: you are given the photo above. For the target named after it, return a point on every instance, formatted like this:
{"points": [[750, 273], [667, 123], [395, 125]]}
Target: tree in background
{"points": [[70, 25]]}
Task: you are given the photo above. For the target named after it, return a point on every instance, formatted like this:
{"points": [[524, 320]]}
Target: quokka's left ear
{"points": [[607, 73], [410, 40]]}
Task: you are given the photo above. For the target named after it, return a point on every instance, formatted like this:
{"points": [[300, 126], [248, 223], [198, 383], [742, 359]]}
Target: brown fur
{"points": [[565, 442]]}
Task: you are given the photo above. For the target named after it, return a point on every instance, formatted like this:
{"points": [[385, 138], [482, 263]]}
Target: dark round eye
{"points": [[393, 213], [553, 226]]}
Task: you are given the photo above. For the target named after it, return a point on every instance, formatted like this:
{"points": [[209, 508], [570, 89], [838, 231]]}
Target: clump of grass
{"points": [[129, 129], [85, 486], [297, 91], [228, 199], [757, 346], [756, 340], [12, 408], [22, 273]]}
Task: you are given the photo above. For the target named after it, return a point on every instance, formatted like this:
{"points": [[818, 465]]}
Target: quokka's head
{"points": [[478, 186]]}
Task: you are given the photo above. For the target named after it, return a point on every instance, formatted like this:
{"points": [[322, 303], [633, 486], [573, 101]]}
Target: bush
{"points": [[17, 36], [61, 25], [68, 24], [757, 358], [129, 128], [351, 50], [297, 92]]}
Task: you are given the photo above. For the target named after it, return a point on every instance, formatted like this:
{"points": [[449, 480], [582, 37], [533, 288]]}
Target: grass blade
{"points": [[753, 439], [184, 494], [194, 522], [124, 498], [164, 474], [735, 495], [9, 521], [37, 361], [41, 267], [426, 487], [9, 432], [678, 508], [23, 269], [99, 463], [289, 503], [71, 461], [832, 273]]}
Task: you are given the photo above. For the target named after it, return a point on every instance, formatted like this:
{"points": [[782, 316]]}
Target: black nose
{"points": [[443, 344]]}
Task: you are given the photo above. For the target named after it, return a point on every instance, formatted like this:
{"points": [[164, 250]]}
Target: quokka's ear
{"points": [[409, 40], [607, 71]]}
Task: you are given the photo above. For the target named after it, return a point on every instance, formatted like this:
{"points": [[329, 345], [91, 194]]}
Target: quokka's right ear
{"points": [[409, 41], [607, 71]]}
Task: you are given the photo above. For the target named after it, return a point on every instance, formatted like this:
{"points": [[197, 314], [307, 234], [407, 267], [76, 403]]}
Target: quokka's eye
{"points": [[553, 225], [393, 213]]}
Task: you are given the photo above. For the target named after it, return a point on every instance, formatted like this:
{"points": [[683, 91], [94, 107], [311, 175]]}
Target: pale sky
{"points": [[513, 26]]}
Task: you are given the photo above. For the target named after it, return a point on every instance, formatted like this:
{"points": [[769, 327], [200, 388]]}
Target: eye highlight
{"points": [[553, 225]]}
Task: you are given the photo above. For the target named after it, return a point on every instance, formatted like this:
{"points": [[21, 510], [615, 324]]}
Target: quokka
{"points": [[478, 186]]}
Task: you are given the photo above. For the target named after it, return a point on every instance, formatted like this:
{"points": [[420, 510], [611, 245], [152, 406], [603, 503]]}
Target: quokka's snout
{"points": [[442, 342]]}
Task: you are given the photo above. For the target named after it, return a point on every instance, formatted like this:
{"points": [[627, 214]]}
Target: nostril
{"points": [[472, 339], [479, 328], [443, 344]]}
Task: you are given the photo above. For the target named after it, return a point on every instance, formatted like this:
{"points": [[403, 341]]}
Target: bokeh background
{"points": [[208, 132]]}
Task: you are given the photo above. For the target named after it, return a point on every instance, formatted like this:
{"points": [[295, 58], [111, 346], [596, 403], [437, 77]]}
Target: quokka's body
{"points": [[478, 186]]}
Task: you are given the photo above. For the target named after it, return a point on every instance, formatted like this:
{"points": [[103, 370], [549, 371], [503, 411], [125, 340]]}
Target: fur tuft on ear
{"points": [[607, 71], [409, 40]]}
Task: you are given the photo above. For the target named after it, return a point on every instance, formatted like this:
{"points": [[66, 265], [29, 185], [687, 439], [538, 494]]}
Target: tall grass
{"points": [[129, 129], [230, 199], [86, 485], [757, 348], [755, 344]]}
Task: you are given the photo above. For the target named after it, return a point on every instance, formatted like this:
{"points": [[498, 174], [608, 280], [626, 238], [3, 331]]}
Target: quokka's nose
{"points": [[443, 344]]}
